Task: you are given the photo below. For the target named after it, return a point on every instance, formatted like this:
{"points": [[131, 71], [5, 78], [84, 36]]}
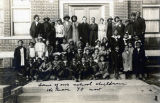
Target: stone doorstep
{"points": [[17, 91], [5, 100], [92, 97]]}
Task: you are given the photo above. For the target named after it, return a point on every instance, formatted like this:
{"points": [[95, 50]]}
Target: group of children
{"points": [[77, 58]]}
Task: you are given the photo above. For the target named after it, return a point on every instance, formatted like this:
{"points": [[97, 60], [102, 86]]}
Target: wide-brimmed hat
{"points": [[46, 18], [110, 18], [66, 16], [74, 16], [59, 19]]}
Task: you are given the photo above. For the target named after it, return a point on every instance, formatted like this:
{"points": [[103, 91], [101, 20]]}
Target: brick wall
{"points": [[11, 44], [121, 9], [66, 9], [44, 8], [134, 5], [7, 18]]}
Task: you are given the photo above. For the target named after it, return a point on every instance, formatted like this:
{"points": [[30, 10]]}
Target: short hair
{"points": [[20, 41], [35, 16], [31, 43], [116, 17]]}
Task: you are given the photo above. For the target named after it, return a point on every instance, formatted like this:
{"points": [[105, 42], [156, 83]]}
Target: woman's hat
{"points": [[59, 19], [46, 18], [74, 16]]}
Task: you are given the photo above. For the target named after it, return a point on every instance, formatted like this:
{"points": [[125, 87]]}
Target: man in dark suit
{"points": [[140, 26], [46, 28], [129, 27], [35, 28], [84, 30], [20, 58]]}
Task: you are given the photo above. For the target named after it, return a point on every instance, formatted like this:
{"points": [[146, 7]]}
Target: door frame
{"points": [[87, 8], [87, 2]]}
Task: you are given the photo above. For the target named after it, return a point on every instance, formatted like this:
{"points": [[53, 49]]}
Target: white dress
{"points": [[59, 31], [40, 49], [101, 31]]}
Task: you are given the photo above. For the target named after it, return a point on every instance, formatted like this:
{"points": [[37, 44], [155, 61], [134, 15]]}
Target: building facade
{"points": [[16, 17]]}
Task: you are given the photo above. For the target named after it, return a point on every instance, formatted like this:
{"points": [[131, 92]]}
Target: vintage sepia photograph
{"points": [[79, 51]]}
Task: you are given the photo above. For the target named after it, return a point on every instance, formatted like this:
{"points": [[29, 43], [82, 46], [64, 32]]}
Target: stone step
{"points": [[85, 98]]}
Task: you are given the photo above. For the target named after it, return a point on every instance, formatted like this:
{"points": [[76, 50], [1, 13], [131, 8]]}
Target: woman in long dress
{"points": [[75, 33], [101, 30]]}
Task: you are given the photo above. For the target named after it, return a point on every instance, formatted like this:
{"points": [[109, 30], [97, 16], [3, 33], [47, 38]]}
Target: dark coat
{"points": [[35, 30], [110, 27], [129, 28], [140, 25], [116, 59], [46, 30], [52, 36], [138, 60], [84, 31], [120, 28], [58, 48], [93, 34], [85, 71], [17, 56], [114, 43]]}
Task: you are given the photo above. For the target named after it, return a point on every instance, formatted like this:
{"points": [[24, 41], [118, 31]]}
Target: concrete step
{"points": [[85, 98], [42, 87]]}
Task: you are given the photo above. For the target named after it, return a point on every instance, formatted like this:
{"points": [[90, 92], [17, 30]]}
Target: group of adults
{"points": [[85, 32]]}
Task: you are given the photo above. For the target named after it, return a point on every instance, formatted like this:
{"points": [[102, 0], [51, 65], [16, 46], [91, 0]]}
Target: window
{"points": [[1, 18], [21, 17], [152, 17], [151, 1]]}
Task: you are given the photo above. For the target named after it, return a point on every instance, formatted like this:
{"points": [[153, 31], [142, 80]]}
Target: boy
{"points": [[103, 72], [139, 61], [57, 67], [87, 54], [35, 28], [58, 47], [45, 70], [84, 69], [93, 67], [74, 67], [79, 55], [116, 58]]}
